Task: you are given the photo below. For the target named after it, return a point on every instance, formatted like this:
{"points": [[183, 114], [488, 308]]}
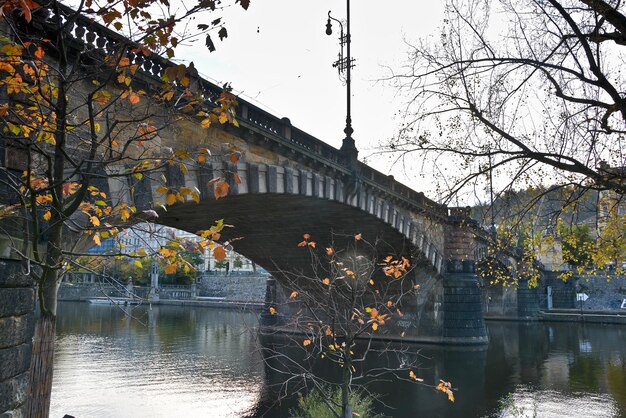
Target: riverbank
{"points": [[570, 315]]}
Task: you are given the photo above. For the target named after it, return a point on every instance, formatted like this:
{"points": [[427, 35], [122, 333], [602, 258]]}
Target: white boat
{"points": [[112, 301]]}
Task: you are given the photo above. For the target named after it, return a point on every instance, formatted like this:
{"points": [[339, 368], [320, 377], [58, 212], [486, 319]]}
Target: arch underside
{"points": [[271, 226]]}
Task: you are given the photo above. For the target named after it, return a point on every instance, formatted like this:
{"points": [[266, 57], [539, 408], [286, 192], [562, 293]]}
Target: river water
{"points": [[173, 361]]}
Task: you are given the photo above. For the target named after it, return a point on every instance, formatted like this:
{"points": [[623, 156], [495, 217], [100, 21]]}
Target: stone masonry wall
{"points": [[234, 288], [17, 303]]}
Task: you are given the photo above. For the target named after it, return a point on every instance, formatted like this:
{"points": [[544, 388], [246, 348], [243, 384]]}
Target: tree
{"points": [[333, 314], [522, 92], [79, 108]]}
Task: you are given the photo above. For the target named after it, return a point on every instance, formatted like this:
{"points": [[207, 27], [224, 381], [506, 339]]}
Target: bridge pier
{"points": [[267, 318], [463, 319], [527, 300]]}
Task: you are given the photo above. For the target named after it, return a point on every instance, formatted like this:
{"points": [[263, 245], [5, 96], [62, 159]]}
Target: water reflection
{"points": [[168, 362], [172, 361]]}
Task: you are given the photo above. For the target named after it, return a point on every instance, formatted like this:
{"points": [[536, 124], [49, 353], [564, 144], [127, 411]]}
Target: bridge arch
{"points": [[273, 206]]}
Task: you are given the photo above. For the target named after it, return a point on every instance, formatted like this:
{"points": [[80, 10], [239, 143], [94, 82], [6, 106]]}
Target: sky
{"points": [[278, 56]]}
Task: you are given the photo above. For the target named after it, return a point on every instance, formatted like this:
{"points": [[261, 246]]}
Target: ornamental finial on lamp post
{"points": [[344, 65]]}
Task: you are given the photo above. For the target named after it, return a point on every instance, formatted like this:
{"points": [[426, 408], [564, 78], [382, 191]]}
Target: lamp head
{"points": [[329, 29]]}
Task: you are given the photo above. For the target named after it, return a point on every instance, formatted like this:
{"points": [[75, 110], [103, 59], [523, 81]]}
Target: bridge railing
{"points": [[96, 38]]}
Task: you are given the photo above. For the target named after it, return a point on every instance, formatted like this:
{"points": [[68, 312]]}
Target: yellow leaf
{"points": [[95, 221], [372, 282], [306, 342], [375, 326], [272, 310], [96, 239], [170, 199], [138, 264], [162, 189], [414, 377], [47, 216], [205, 123], [223, 118]]}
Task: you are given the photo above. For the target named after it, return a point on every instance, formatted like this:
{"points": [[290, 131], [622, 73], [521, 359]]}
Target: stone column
{"points": [[17, 304], [267, 319], [527, 300], [463, 321], [153, 296], [527, 296]]}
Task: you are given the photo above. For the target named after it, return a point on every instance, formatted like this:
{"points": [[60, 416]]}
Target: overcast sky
{"points": [[278, 56]]}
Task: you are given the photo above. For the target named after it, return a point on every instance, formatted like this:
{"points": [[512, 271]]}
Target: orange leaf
{"points": [[39, 52], [170, 269], [213, 181], [96, 239], [326, 281], [302, 244], [293, 295], [306, 342], [219, 253], [133, 98], [375, 326], [312, 244], [306, 236], [329, 251], [47, 216], [236, 178], [328, 331], [234, 158], [221, 190], [357, 237]]}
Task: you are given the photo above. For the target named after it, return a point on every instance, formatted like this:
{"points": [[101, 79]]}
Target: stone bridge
{"points": [[293, 183]]}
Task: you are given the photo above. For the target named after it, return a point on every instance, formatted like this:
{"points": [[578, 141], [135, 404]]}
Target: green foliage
{"points": [[577, 244], [182, 276], [318, 404]]}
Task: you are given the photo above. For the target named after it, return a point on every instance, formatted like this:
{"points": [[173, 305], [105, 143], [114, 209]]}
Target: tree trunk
{"points": [[40, 384], [346, 408]]}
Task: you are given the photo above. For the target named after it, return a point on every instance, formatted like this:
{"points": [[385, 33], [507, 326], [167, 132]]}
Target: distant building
{"points": [[151, 237], [611, 204]]}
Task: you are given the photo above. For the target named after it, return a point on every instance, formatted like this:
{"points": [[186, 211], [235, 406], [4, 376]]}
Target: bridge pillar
{"points": [[267, 317], [527, 300], [463, 322]]}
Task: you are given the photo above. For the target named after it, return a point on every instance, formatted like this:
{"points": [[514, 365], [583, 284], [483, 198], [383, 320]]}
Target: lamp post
{"points": [[344, 64]]}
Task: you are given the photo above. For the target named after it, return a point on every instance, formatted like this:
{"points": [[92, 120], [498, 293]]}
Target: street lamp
{"points": [[344, 64]]}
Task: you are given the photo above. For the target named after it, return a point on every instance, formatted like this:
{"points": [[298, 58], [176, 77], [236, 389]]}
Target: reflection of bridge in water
{"points": [[199, 360]]}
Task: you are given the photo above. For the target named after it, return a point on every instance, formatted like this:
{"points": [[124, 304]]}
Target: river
{"points": [[171, 361]]}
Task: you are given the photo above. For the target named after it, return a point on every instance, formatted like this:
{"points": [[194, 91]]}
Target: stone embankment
{"points": [[234, 290], [17, 303]]}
